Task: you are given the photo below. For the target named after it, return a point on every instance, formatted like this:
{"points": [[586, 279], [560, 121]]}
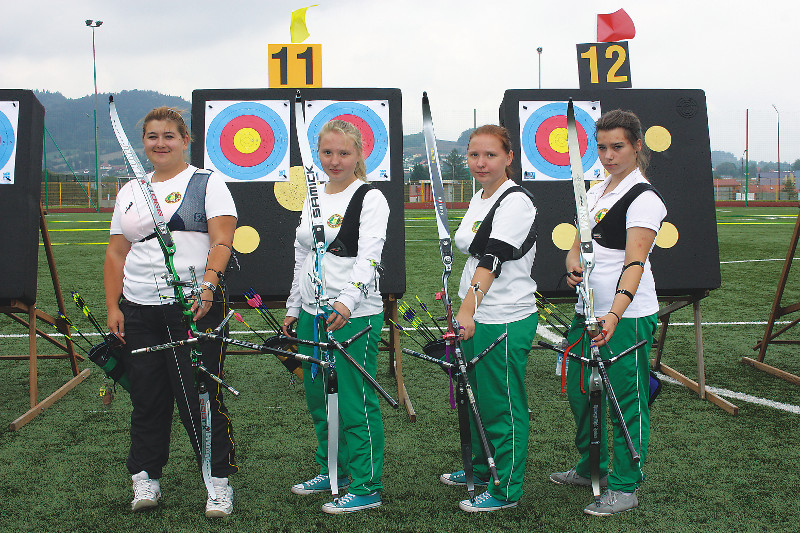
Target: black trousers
{"points": [[161, 379]]}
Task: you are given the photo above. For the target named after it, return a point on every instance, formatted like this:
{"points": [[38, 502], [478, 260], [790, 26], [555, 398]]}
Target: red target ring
{"points": [[544, 147], [367, 137], [266, 141]]}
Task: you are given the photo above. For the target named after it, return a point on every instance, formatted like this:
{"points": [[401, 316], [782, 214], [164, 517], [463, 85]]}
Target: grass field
{"points": [[706, 470]]}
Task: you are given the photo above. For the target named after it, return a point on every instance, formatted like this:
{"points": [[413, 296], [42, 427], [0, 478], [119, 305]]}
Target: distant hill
{"points": [[719, 156], [70, 124]]}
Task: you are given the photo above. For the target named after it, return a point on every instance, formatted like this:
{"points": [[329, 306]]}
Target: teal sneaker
{"points": [[350, 503], [321, 483], [460, 478], [485, 503]]}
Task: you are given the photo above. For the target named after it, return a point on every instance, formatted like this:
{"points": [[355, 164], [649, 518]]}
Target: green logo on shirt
{"points": [[476, 225], [335, 221], [600, 214], [173, 198]]}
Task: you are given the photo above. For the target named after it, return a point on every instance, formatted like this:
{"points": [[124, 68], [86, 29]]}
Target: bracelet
{"points": [[626, 293], [220, 244], [210, 286], [616, 315]]}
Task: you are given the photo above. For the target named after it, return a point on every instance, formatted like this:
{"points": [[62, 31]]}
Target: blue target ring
{"points": [[533, 154], [370, 118], [249, 172], [7, 140]]}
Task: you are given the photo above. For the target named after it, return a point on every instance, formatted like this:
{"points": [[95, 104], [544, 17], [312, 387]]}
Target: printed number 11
{"points": [[282, 56]]}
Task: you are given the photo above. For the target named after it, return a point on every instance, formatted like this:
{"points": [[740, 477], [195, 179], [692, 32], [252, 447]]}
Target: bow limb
{"points": [[167, 244]]}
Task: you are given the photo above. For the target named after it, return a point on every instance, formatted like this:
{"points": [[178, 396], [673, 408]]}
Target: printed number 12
{"points": [[611, 76]]}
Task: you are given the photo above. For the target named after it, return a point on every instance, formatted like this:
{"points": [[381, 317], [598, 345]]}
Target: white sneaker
{"points": [[222, 505], [146, 491]]}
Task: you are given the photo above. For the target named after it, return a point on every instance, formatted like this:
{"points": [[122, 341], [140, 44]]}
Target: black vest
{"points": [[610, 232], [346, 242], [191, 214], [481, 239]]}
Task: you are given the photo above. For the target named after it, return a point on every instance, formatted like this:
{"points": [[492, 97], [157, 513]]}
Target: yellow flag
{"points": [[297, 28]]}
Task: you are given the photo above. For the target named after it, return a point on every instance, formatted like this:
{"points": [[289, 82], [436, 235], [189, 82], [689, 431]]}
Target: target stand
{"points": [[248, 136], [22, 216], [778, 311], [673, 303], [13, 308]]}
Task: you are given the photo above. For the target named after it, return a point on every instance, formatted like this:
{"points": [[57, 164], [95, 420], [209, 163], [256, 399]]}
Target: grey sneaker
{"points": [[222, 505], [460, 478], [146, 491], [613, 501], [571, 477]]}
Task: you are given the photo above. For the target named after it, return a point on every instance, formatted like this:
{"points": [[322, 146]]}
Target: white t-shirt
{"points": [[144, 264], [341, 272], [646, 211], [512, 295]]}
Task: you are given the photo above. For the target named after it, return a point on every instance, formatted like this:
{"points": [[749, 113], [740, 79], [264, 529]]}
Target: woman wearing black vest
{"points": [[625, 214], [355, 218], [142, 313], [498, 296]]}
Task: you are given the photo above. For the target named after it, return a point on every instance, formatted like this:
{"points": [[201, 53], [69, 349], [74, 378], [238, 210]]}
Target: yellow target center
{"points": [[558, 140], [247, 140]]}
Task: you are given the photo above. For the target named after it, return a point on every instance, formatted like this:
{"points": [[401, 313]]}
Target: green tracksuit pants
{"points": [[498, 382], [630, 379], [361, 437]]}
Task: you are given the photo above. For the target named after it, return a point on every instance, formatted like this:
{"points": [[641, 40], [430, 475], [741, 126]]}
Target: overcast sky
{"points": [[465, 53]]}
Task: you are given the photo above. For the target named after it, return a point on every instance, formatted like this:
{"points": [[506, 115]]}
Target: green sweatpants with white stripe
{"points": [[361, 437], [498, 382], [630, 379]]}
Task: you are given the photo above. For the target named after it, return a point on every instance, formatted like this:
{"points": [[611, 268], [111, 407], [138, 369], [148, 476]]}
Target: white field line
{"points": [[789, 408], [752, 261], [539, 329], [544, 332]]}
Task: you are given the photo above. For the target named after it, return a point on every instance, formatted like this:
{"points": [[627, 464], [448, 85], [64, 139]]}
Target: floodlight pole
{"points": [[778, 187], [539, 51], [95, 24]]}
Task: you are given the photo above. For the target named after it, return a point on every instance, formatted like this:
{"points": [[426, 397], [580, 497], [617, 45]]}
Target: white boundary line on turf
{"points": [[751, 261], [789, 408]]}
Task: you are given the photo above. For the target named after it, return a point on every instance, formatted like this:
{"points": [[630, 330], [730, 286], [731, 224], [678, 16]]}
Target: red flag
{"points": [[616, 26]]}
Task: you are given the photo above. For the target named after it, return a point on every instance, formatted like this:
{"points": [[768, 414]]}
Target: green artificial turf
{"points": [[706, 470]]}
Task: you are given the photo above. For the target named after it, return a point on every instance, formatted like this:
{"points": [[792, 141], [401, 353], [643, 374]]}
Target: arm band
{"points": [[219, 274], [626, 293], [491, 263], [633, 263]]}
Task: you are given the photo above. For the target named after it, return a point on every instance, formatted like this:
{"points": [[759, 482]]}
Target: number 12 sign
{"points": [[295, 65], [604, 65]]}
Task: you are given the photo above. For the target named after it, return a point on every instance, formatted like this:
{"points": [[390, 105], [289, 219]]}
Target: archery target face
{"points": [[248, 141], [371, 117], [543, 138], [9, 120]]}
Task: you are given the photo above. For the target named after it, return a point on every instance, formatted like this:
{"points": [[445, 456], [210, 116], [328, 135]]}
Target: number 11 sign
{"points": [[295, 65]]}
